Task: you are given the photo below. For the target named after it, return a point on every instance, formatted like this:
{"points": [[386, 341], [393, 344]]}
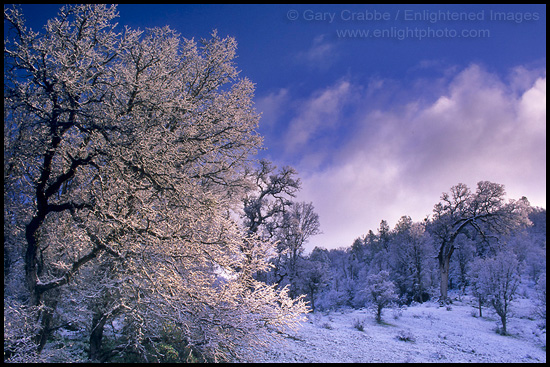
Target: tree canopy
{"points": [[126, 156]]}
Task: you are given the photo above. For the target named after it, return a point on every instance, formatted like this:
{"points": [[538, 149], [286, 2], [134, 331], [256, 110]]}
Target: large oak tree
{"points": [[484, 212], [125, 158]]}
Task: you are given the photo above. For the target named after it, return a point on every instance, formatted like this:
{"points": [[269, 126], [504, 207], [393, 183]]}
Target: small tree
{"points": [[380, 292], [313, 274], [496, 280], [477, 277], [299, 223]]}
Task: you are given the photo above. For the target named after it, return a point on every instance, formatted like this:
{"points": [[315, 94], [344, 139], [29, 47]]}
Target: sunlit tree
{"points": [[125, 158]]}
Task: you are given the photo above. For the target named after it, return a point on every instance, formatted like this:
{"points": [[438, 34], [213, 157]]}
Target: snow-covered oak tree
{"points": [[270, 213], [299, 223], [270, 196], [125, 157], [478, 279], [496, 280], [485, 213], [380, 292], [265, 204]]}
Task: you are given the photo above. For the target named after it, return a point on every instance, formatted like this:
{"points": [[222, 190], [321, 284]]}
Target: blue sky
{"points": [[381, 108]]}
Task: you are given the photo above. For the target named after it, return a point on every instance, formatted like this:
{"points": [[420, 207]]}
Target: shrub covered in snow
{"points": [[359, 324], [405, 335]]}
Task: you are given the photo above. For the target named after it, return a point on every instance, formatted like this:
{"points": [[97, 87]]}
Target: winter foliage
{"points": [[380, 292], [126, 159], [138, 227]]}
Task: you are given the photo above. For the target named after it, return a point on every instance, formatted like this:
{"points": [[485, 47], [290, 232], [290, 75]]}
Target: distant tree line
{"points": [[475, 243]]}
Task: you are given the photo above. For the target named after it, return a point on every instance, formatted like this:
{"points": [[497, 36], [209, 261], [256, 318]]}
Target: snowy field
{"points": [[421, 333]]}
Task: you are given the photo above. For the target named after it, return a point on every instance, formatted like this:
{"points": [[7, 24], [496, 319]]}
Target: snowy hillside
{"points": [[421, 333]]}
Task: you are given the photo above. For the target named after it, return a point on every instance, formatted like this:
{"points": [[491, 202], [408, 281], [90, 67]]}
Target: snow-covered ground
{"points": [[420, 333]]}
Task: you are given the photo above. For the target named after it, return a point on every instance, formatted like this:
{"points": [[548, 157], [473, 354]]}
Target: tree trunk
{"points": [[31, 262], [312, 303], [444, 271], [44, 332], [444, 258], [479, 305], [96, 336], [503, 315], [45, 318], [503, 320], [379, 314]]}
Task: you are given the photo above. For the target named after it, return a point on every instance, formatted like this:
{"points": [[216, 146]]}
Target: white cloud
{"points": [[271, 107], [317, 114], [400, 160], [532, 107], [320, 56]]}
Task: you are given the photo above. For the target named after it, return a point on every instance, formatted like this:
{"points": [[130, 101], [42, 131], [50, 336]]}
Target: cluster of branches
{"points": [[127, 158], [271, 213]]}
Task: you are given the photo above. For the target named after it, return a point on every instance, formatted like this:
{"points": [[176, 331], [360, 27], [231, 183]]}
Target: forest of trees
{"points": [[137, 219], [336, 278]]}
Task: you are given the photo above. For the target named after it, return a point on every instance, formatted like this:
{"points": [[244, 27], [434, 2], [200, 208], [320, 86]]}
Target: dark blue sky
{"points": [[381, 108], [268, 39]]}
